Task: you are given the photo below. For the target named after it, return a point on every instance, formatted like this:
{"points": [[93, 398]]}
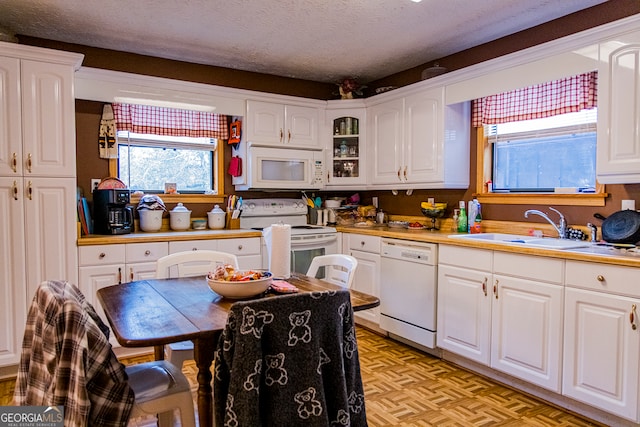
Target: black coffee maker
{"points": [[111, 213]]}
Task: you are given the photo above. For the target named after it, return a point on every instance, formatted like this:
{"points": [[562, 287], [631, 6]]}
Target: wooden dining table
{"points": [[156, 312]]}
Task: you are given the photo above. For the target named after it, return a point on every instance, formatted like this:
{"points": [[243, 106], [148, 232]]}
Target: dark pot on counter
{"points": [[621, 227]]}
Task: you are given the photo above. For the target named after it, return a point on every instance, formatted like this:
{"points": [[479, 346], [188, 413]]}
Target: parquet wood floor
{"points": [[406, 388]]}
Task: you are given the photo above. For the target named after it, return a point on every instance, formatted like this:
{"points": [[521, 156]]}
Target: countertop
{"points": [[599, 254], [164, 236]]}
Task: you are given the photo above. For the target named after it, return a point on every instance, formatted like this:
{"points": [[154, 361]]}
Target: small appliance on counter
{"points": [[111, 213]]}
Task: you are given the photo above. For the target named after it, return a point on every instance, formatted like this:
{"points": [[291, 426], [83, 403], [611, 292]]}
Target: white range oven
{"points": [[307, 241]]}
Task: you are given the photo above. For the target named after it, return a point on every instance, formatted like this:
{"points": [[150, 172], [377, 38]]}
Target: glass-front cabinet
{"points": [[345, 152]]}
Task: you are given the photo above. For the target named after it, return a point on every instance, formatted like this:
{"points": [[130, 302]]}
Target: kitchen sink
{"points": [[522, 240]]}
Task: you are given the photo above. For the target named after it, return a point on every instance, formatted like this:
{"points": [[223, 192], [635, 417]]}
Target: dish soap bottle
{"points": [[462, 218], [478, 218]]}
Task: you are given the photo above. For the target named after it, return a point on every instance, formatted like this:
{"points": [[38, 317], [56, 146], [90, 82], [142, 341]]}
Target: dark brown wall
{"points": [[88, 113]]}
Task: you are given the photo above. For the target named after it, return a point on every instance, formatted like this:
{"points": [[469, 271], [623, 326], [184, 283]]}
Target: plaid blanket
{"points": [[67, 360]]}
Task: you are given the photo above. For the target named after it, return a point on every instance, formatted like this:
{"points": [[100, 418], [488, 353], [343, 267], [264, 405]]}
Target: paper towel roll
{"points": [[278, 240]]}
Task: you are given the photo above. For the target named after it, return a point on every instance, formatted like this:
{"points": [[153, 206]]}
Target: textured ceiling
{"points": [[319, 40]]}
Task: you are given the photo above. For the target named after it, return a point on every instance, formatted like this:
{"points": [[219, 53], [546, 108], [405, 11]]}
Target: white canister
{"points": [[150, 220], [216, 218], [180, 218]]}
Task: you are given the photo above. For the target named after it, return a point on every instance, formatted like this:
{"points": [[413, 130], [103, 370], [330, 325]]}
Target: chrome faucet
{"points": [[561, 227]]}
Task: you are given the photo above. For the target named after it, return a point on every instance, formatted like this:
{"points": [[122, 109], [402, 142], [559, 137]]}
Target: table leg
{"points": [[203, 353]]}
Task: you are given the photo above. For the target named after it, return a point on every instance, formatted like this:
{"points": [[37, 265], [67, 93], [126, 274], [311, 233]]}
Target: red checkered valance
{"points": [[566, 95], [170, 121]]}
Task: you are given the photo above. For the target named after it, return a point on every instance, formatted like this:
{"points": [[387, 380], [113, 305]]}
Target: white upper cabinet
{"points": [[275, 124], [418, 142], [10, 118], [618, 150], [38, 96], [345, 147]]}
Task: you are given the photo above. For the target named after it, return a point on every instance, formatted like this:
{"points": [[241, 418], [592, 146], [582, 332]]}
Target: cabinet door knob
{"points": [[15, 190], [484, 286], [495, 289], [239, 247], [399, 170], [147, 252], [119, 275], [600, 278], [281, 134], [30, 191], [29, 162], [102, 255], [632, 317], [289, 135], [14, 162], [405, 173]]}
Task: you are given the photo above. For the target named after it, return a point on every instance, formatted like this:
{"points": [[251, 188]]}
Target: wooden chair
{"points": [[92, 385], [187, 264], [339, 269]]}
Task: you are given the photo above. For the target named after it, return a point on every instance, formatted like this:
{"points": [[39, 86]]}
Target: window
{"points": [[146, 162], [538, 143], [158, 145], [543, 155]]}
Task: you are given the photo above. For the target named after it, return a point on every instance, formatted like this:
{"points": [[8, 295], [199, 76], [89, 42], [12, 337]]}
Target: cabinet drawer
{"points": [[602, 277], [363, 242], [247, 246], [530, 267], [145, 252], [476, 259], [193, 245], [100, 255]]}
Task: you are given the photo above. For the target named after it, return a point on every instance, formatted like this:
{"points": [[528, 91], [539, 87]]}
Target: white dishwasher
{"points": [[408, 283]]}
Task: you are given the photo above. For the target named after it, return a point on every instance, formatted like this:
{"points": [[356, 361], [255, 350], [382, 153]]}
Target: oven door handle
{"points": [[298, 243]]}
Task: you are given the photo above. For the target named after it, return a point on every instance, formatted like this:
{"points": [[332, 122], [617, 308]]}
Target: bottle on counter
{"points": [[462, 218], [456, 216], [471, 213], [476, 228]]}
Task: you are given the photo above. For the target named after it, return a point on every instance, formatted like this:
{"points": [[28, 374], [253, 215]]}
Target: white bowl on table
{"points": [[241, 289]]}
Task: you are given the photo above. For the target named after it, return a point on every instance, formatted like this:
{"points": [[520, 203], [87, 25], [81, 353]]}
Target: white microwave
{"points": [[272, 168]]}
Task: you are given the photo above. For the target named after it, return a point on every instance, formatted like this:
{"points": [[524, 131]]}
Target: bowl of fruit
{"points": [[230, 283], [433, 211]]}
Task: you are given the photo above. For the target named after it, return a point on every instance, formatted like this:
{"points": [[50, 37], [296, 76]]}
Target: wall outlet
{"points": [[94, 183], [629, 204]]}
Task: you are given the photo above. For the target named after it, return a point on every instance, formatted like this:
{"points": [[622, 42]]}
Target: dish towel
{"points": [[289, 360]]}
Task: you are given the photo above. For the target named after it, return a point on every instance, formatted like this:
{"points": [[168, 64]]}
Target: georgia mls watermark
{"points": [[31, 416]]}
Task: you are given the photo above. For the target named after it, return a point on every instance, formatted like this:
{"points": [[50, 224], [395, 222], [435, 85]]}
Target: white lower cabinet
{"points": [[141, 260], [526, 318], [100, 266], [464, 302], [602, 339], [502, 310], [247, 249], [366, 249]]}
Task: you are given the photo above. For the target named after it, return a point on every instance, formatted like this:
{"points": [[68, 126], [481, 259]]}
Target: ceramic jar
{"points": [[150, 220], [216, 218], [180, 218]]}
